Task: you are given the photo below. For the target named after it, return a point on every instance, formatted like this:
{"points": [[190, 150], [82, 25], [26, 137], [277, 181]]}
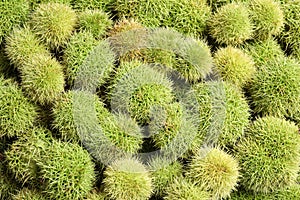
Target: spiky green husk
{"points": [[95, 195], [187, 16], [77, 50], [165, 124], [263, 167], [146, 96], [215, 171], [163, 174], [166, 47], [264, 51], [296, 52], [275, 89], [43, 79], [195, 61], [122, 131], [231, 24], [291, 32], [127, 179], [146, 86], [234, 65], [53, 23], [215, 4], [226, 120], [35, 3], [27, 194], [95, 21], [17, 114], [12, 13], [290, 193], [105, 5], [267, 17], [22, 45], [23, 155], [67, 170], [183, 189]]}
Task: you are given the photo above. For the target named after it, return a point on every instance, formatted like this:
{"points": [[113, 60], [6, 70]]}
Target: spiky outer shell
{"points": [[105, 5], [35, 3], [215, 171], [165, 124], [127, 179], [163, 174], [215, 4], [95, 195], [182, 189], [68, 171], [137, 88], [272, 144], [22, 45], [12, 13], [291, 32], [234, 65], [53, 23], [288, 193], [23, 154], [275, 89], [121, 130], [95, 21], [223, 112], [77, 50], [231, 24], [187, 16], [43, 79], [265, 51], [27, 194], [17, 114], [267, 17]]}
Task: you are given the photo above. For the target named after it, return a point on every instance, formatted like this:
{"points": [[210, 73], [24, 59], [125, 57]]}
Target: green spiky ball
{"points": [[127, 179], [275, 89], [234, 65], [122, 131], [165, 124], [215, 4], [53, 23], [264, 51], [17, 114], [263, 167], [291, 32], [144, 90], [182, 189], [164, 174], [223, 112], [105, 5], [77, 50], [12, 13], [23, 155], [67, 171], [95, 21], [215, 171], [43, 79], [187, 16], [231, 24], [27, 194], [267, 17], [22, 45]]}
